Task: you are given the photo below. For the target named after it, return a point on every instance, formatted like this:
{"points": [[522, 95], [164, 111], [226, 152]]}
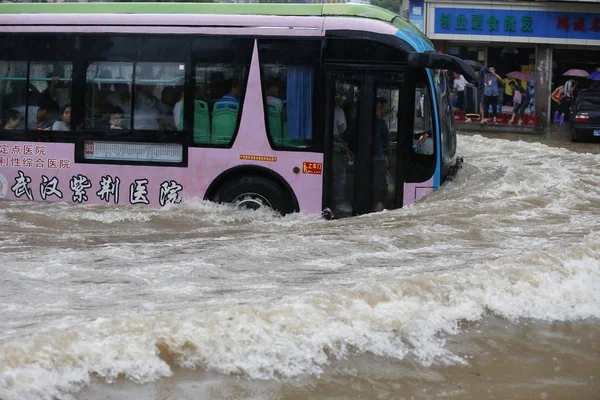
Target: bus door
{"points": [[361, 163]]}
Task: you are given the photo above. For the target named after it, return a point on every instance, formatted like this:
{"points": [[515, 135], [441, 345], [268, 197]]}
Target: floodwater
{"points": [[487, 289]]}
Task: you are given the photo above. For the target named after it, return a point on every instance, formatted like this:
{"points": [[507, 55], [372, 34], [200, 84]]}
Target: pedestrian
{"points": [[491, 81], [520, 102], [459, 86]]}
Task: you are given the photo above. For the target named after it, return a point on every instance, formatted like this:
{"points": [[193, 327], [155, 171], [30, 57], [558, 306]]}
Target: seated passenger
{"points": [[45, 115], [232, 95], [272, 91], [14, 121], [116, 118], [146, 113], [65, 120]]}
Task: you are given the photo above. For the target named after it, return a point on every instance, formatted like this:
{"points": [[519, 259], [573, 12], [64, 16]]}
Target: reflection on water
{"points": [[465, 293]]}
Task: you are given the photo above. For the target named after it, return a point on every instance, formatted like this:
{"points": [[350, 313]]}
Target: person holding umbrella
{"points": [[520, 102], [570, 88]]}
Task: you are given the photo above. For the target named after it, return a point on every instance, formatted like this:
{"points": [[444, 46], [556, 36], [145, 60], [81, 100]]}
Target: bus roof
{"points": [[298, 10]]}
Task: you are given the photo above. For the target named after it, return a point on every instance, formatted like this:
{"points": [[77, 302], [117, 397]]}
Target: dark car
{"points": [[585, 116]]}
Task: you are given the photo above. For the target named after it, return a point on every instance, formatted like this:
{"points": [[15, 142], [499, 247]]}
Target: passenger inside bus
{"points": [[45, 115], [64, 124], [121, 98], [382, 146], [48, 95], [340, 156], [116, 118], [14, 120], [272, 92], [232, 95], [145, 114]]}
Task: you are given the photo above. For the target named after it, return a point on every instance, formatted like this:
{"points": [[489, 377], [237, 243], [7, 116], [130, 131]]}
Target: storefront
{"points": [[541, 39]]}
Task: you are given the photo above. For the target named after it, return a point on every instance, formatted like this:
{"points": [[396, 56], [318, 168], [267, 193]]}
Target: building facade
{"points": [[542, 38]]}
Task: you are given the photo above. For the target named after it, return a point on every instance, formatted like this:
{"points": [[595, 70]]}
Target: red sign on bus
{"points": [[312, 168]]}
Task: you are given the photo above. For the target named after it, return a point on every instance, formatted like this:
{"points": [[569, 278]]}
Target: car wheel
{"points": [[254, 192]]}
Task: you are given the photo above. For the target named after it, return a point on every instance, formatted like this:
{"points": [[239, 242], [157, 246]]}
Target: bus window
{"points": [[159, 96], [447, 133], [423, 124], [13, 91], [108, 90], [221, 70], [288, 80], [53, 83], [385, 132]]}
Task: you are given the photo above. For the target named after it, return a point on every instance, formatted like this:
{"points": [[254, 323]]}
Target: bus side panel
{"points": [[47, 171], [413, 192]]}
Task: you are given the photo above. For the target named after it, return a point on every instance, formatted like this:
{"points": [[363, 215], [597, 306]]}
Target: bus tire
{"points": [[255, 192]]}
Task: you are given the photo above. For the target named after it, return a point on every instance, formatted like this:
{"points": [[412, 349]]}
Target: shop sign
{"points": [[416, 13], [523, 23]]}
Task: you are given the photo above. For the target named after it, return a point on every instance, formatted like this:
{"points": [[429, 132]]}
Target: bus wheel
{"points": [[254, 192]]}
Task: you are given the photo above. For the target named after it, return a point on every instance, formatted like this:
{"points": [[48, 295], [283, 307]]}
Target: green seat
{"points": [[275, 123], [224, 121], [201, 122]]}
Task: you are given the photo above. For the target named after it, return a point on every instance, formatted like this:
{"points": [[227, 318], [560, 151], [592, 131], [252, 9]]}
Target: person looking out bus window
{"points": [[382, 147], [116, 118], [65, 120]]}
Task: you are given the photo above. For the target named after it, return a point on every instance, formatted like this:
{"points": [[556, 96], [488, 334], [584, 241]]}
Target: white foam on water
{"points": [[253, 294]]}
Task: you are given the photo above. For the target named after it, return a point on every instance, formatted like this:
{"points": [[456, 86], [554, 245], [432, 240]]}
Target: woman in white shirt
{"points": [[459, 85]]}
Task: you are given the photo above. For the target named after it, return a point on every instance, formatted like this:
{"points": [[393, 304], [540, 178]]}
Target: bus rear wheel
{"points": [[254, 192]]}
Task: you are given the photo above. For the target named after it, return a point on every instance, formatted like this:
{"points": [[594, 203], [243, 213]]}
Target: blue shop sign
{"points": [[416, 13], [546, 24]]}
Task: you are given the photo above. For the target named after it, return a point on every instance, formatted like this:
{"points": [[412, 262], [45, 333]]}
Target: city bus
{"points": [[331, 109]]}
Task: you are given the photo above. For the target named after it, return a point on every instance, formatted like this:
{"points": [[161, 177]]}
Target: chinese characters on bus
{"points": [[29, 156], [107, 188]]}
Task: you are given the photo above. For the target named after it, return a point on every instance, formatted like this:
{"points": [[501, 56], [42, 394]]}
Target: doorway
{"points": [[362, 141]]}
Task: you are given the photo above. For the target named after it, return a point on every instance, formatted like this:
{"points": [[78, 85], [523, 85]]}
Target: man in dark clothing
{"points": [[382, 147]]}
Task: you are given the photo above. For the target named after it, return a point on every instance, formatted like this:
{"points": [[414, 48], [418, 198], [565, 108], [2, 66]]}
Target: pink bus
{"points": [[332, 109]]}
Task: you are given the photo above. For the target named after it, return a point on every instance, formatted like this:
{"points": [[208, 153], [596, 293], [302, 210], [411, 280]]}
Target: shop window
{"points": [[288, 80]]}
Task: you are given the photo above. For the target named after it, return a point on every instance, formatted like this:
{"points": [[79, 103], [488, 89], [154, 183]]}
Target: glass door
{"points": [[361, 147]]}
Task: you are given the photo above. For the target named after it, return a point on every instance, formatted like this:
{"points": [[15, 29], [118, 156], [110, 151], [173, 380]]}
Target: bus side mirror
{"points": [[442, 61]]}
